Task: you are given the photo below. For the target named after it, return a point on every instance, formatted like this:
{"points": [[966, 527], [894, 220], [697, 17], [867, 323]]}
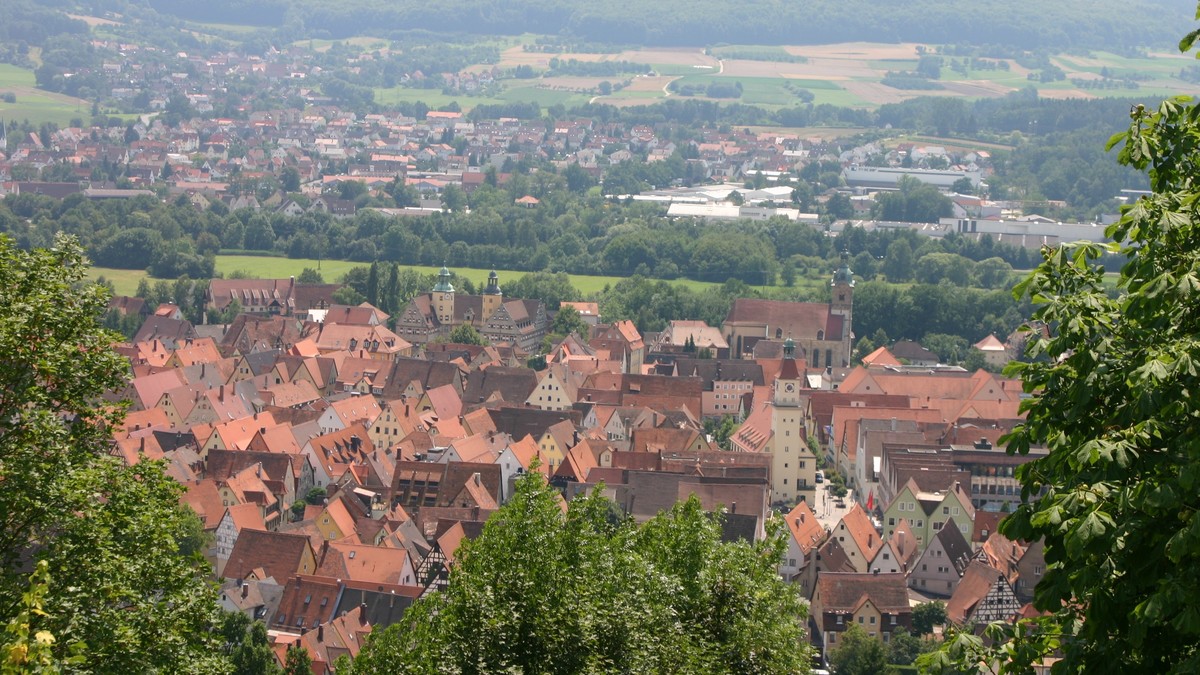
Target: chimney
{"points": [[362, 613], [476, 478], [733, 507], [320, 632], [245, 590]]}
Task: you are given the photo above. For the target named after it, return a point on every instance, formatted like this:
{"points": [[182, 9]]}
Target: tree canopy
{"points": [[582, 589], [1111, 397], [119, 579]]}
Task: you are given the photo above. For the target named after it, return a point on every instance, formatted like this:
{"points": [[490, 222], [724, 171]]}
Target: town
{"points": [[806, 336]]}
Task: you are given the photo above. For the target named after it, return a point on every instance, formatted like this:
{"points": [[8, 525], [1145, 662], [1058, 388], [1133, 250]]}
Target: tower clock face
{"points": [[789, 387]]}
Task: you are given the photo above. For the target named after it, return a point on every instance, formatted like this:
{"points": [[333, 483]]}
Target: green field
{"points": [[126, 281], [434, 98], [333, 270], [543, 97], [36, 105]]}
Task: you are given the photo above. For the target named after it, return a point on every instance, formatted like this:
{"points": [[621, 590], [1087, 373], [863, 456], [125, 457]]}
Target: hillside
{"points": [[1061, 25]]}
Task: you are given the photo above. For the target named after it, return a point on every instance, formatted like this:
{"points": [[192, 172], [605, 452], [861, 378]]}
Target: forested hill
{"points": [[1111, 24]]}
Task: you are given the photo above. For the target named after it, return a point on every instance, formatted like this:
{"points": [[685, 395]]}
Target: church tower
{"points": [[842, 303], [443, 298], [843, 289], [493, 297]]}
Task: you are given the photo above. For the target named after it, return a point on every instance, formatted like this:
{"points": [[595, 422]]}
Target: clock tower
{"points": [[793, 465]]}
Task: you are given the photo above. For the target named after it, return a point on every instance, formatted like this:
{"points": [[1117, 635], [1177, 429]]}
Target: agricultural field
{"points": [[851, 74], [35, 104]]}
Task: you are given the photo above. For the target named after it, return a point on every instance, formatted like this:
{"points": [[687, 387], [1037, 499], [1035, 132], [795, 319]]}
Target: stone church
{"points": [[821, 332]]}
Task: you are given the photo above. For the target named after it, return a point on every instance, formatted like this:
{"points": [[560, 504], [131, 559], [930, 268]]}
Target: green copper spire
{"points": [[443, 284]]}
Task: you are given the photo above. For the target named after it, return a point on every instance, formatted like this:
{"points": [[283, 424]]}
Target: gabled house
{"points": [[805, 535], [878, 603], [941, 566], [858, 537], [983, 596]]}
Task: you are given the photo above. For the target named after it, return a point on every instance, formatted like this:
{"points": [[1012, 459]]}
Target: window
{"points": [[893, 619], [872, 621], [832, 635], [839, 619], [1037, 570], [891, 522], [860, 620], [945, 510]]}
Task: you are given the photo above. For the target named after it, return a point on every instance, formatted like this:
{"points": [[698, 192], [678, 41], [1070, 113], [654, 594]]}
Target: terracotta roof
{"points": [[804, 527], [205, 500], [841, 592], [798, 320], [858, 525], [977, 580], [881, 357], [279, 554]]}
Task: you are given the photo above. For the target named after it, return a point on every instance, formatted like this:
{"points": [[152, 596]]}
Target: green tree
{"points": [[898, 263], [590, 591], [1110, 396], [453, 198], [289, 179], [568, 321], [310, 276], [859, 654], [787, 273], [904, 647], [465, 334], [247, 645], [113, 538], [297, 661], [927, 615]]}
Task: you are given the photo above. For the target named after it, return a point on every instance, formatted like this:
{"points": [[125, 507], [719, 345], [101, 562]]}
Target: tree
{"points": [[247, 645], [297, 661], [1110, 396], [123, 581], [543, 591], [310, 276], [454, 199], [465, 334], [904, 647], [898, 263], [859, 654], [568, 321], [927, 615], [289, 179]]}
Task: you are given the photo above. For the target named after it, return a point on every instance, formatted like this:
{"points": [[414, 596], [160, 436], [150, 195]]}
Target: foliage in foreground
{"points": [[584, 590], [1113, 400], [118, 587]]}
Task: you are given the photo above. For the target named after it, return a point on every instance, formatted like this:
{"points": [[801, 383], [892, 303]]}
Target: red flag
{"points": [[871, 500]]}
